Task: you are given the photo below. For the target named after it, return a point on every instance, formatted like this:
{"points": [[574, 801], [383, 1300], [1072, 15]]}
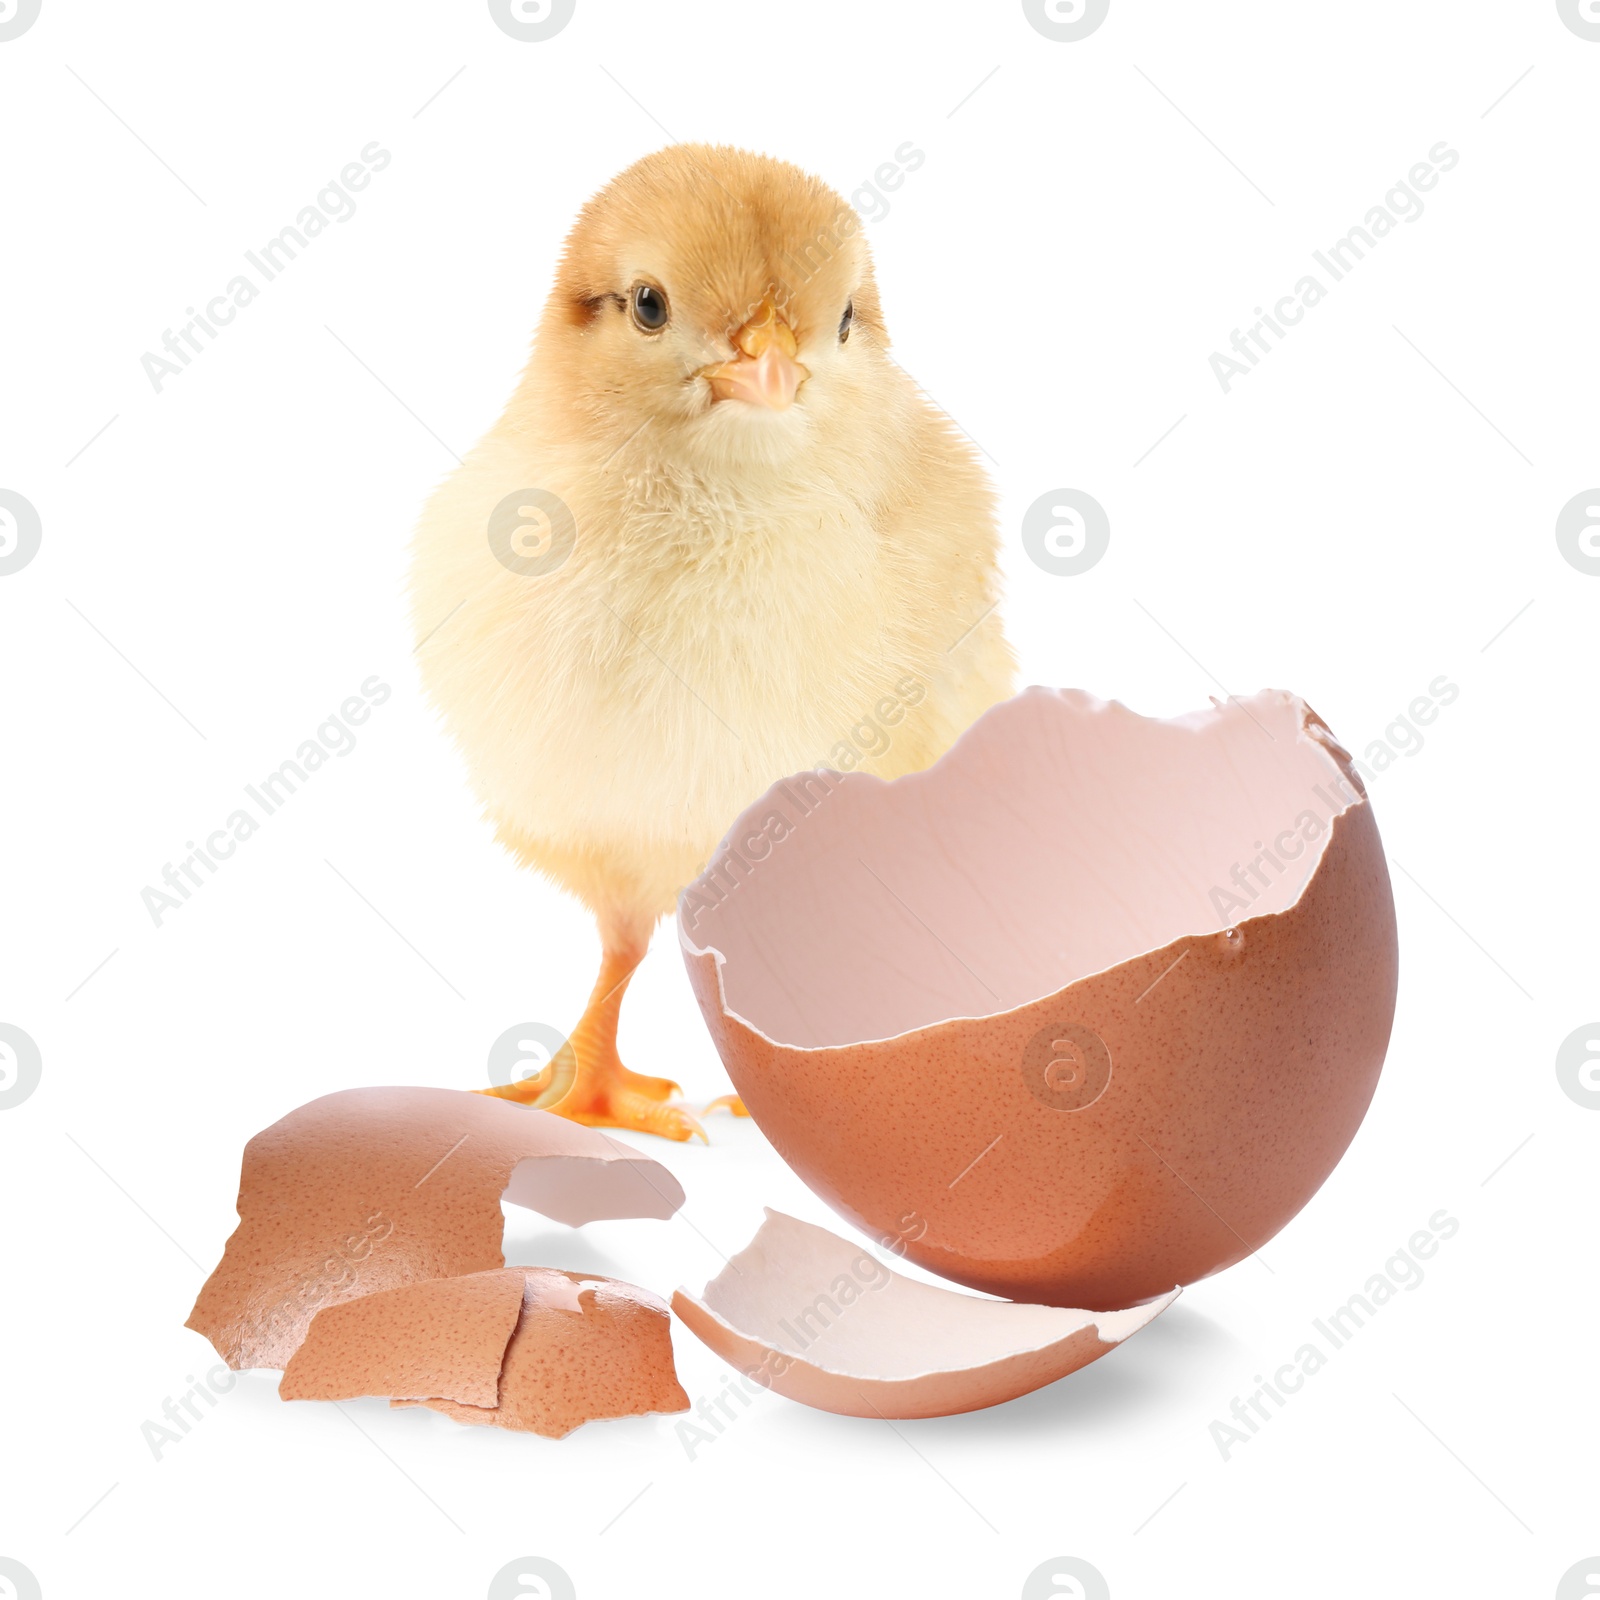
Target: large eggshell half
{"points": [[1089, 1008], [369, 1189], [822, 1321]]}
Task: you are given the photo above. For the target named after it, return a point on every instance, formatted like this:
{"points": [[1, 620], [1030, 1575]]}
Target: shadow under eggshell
{"points": [[1088, 1009]]}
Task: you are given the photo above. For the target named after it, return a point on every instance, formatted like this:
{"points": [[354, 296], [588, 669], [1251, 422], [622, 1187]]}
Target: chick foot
{"points": [[603, 1093], [726, 1102], [610, 1095], [587, 1081]]}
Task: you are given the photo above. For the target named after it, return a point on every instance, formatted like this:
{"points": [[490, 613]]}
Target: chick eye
{"points": [[846, 320], [648, 307]]}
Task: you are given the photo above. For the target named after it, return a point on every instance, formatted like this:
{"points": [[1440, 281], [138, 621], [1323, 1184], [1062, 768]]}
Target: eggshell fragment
{"points": [[584, 1349], [821, 1321], [445, 1338], [1089, 1008], [368, 1189]]}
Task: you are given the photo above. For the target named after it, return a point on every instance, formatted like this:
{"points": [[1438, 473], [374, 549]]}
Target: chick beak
{"points": [[765, 372]]}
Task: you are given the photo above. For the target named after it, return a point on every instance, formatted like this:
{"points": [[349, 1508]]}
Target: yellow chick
{"points": [[715, 530]]}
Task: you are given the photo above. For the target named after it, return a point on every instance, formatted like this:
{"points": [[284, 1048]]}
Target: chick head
{"points": [[723, 296]]}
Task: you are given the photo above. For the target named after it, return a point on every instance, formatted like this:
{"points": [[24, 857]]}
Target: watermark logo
{"points": [[1581, 1582], [1066, 21], [532, 532], [1582, 16], [20, 532], [1065, 532], [531, 22], [1066, 1066], [1578, 1066], [1578, 530], [16, 17], [20, 1066], [1068, 1578], [528, 1050], [531, 1578], [16, 1582]]}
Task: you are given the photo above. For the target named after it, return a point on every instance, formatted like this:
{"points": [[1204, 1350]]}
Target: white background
{"points": [[222, 565]]}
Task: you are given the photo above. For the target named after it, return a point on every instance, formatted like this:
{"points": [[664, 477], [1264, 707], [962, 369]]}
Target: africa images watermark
{"points": [[1402, 1270], [334, 737], [1577, 533], [159, 1436], [796, 798], [334, 203], [319, 1285], [1403, 203], [1403, 736], [868, 203], [16, 17], [315, 1289], [868, 196], [802, 1330], [1240, 892], [1577, 1066], [532, 1578], [1065, 532]]}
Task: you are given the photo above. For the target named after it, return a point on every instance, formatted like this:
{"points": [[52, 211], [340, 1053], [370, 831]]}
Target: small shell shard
{"points": [[371, 1189]]}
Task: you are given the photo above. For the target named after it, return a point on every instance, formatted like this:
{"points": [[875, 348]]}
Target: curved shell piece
{"points": [[820, 1320]]}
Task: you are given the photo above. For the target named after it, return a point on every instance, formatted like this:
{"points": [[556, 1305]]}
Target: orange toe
{"points": [[609, 1095], [543, 1089], [641, 1114]]}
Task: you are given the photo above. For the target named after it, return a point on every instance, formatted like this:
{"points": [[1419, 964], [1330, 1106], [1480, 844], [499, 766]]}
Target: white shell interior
{"points": [[804, 1291], [1061, 836]]}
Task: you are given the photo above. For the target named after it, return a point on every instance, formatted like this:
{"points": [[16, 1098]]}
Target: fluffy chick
{"points": [[714, 528]]}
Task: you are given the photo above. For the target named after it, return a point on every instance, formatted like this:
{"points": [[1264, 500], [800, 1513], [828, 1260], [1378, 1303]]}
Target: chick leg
{"points": [[604, 1093]]}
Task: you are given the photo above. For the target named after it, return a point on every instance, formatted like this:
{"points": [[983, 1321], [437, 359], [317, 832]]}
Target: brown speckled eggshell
{"points": [[584, 1349], [445, 1337], [368, 1189]]}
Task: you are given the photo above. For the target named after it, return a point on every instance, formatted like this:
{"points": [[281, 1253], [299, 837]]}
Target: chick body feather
{"points": [[745, 588]]}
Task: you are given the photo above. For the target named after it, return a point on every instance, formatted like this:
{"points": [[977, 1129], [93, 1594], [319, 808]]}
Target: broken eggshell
{"points": [[443, 1338], [533, 1349], [817, 1319], [1089, 1008], [369, 1189], [584, 1349]]}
